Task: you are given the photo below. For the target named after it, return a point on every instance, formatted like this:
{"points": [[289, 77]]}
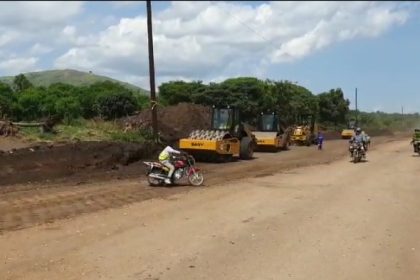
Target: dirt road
{"points": [[333, 221], [22, 206]]}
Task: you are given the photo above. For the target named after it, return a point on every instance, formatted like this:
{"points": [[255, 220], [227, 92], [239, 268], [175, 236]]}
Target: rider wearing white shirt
{"points": [[164, 158]]}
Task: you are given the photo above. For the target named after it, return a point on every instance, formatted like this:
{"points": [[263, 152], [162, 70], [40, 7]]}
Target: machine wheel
{"points": [[308, 142], [287, 145], [284, 145], [247, 148]]}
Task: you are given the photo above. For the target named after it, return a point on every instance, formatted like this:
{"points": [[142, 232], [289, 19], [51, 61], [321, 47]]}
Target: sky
{"points": [[371, 46]]}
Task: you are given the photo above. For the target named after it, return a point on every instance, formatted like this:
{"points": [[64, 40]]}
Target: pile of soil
{"points": [[174, 122], [42, 162], [331, 135], [379, 132]]}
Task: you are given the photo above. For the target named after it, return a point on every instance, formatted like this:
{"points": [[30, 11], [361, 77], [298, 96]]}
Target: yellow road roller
{"points": [[228, 138], [348, 132], [271, 137]]}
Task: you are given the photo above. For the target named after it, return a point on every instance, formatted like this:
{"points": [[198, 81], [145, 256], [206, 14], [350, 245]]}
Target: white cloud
{"points": [[123, 4], [25, 21], [8, 37], [69, 30], [18, 65], [38, 49], [203, 40], [30, 15]]}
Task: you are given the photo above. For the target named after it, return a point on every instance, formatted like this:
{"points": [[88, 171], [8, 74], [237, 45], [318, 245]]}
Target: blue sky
{"points": [[385, 70], [373, 46]]}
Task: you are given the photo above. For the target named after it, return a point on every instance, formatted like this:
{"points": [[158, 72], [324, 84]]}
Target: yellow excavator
{"points": [[306, 130], [228, 138], [270, 135]]}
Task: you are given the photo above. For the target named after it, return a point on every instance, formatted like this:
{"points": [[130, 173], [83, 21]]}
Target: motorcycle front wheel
{"points": [[355, 158], [196, 179]]}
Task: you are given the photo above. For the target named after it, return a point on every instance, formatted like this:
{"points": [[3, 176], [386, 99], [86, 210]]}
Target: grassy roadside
{"points": [[84, 130]]}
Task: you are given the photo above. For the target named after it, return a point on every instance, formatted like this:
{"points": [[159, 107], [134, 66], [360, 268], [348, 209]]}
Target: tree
{"points": [[6, 100], [333, 107], [30, 103], [67, 109], [21, 83], [88, 96], [143, 101], [112, 106], [213, 94], [289, 100], [174, 92], [244, 93]]}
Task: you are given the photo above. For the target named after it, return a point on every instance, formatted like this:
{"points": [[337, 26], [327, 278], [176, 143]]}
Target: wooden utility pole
{"points": [[152, 71], [357, 121]]}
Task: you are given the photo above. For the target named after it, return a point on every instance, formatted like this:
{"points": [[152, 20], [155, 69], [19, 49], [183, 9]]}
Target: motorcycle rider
{"points": [[367, 140], [164, 158], [359, 138]]}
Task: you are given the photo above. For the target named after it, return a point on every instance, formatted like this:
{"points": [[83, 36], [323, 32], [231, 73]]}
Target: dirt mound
{"points": [[174, 122], [379, 132], [44, 162], [331, 135]]}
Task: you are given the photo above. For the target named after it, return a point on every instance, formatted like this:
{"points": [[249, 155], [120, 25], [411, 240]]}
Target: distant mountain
{"points": [[68, 76]]}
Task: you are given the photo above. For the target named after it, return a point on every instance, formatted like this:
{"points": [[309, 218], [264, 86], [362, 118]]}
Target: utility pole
{"points": [[152, 71], [357, 121]]}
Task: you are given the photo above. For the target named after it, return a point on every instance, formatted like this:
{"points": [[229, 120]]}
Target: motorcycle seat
{"points": [[157, 164]]}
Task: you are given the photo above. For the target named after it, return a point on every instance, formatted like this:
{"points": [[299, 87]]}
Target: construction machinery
{"points": [[416, 141], [348, 132], [229, 138], [306, 130], [270, 135]]}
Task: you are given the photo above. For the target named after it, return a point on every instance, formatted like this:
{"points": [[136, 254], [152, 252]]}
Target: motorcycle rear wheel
{"points": [[153, 181]]}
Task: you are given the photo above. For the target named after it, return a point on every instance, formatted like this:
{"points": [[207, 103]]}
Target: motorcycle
{"points": [[357, 151], [184, 168], [416, 146]]}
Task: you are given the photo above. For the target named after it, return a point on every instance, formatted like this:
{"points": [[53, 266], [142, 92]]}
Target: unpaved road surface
{"points": [[330, 221], [22, 206]]}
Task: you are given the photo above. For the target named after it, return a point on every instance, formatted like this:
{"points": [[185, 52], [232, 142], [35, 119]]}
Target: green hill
{"points": [[68, 76]]}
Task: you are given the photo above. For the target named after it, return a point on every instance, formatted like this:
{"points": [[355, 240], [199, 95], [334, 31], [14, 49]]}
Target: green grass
{"points": [[68, 76], [85, 130]]}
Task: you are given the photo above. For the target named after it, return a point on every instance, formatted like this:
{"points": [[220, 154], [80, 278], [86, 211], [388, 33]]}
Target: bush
{"points": [[112, 106]]}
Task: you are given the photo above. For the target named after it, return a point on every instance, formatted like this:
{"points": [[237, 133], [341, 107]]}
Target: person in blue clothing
{"points": [[320, 140]]}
